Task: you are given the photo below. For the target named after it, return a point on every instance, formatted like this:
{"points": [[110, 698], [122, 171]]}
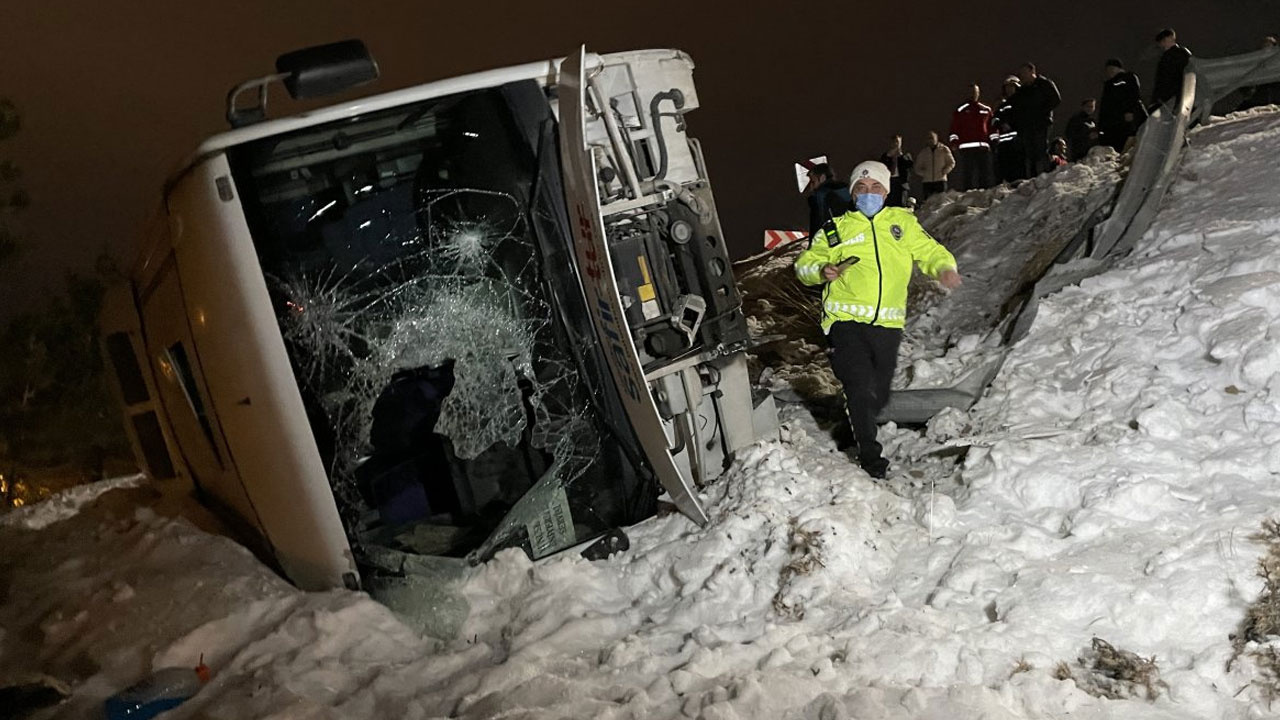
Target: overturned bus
{"points": [[488, 312]]}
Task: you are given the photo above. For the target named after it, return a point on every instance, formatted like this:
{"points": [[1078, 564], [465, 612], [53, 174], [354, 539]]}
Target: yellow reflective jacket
{"points": [[874, 289]]}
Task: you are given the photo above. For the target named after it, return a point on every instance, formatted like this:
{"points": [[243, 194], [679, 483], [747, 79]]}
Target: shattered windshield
{"points": [[401, 254]]}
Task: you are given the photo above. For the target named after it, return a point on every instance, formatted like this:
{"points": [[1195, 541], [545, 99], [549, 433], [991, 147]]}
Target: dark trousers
{"points": [[931, 188], [1116, 136], [1012, 164], [897, 192], [1035, 143], [863, 357], [975, 169]]}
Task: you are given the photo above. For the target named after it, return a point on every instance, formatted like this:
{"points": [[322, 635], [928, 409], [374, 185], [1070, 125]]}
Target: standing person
{"points": [[934, 163], [1268, 94], [1082, 131], [1121, 111], [899, 164], [866, 266], [1173, 62], [1010, 165], [1039, 96], [828, 196], [971, 138]]}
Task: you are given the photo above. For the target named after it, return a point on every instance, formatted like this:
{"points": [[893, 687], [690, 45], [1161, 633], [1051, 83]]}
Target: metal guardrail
{"points": [[1158, 151], [1163, 138], [1216, 78]]}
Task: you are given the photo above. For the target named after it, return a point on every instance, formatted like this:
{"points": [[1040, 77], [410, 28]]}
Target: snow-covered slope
{"points": [[1003, 239], [1110, 485]]}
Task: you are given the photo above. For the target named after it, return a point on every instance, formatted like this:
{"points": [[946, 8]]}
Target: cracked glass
{"points": [[405, 252]]}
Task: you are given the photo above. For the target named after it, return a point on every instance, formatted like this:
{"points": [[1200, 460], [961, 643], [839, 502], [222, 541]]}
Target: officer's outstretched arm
{"points": [[928, 253], [810, 263]]}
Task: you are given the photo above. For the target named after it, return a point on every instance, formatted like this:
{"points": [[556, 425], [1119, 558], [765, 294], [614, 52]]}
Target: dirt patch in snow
{"points": [[1106, 671], [1259, 634]]}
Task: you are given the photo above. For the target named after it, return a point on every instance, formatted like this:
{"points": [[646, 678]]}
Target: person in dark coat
{"points": [[1173, 63], [829, 196], [1038, 97], [1268, 94], [1120, 113], [1082, 131], [899, 163], [1010, 162]]}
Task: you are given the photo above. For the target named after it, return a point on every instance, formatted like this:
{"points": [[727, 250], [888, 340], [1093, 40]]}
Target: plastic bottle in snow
{"points": [[161, 690]]}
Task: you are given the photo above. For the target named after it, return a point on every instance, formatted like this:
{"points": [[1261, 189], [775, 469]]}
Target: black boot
{"points": [[877, 467]]}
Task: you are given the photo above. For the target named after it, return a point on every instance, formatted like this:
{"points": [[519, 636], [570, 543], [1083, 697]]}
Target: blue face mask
{"points": [[870, 203]]}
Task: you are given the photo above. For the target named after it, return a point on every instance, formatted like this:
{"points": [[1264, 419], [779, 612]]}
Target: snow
{"points": [[1003, 238], [1110, 485], [65, 504]]}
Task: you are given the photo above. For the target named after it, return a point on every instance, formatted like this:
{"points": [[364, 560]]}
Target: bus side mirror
{"points": [[326, 69], [308, 73]]}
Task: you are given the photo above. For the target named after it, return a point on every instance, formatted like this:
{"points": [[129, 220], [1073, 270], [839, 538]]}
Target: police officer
{"points": [[1173, 62], [1121, 111], [1037, 99], [1010, 163], [864, 259]]}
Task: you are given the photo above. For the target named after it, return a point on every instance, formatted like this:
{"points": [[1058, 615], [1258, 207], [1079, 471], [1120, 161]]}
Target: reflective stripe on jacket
{"points": [[971, 127], [874, 289]]}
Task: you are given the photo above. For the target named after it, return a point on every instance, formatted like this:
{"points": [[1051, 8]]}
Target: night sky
{"points": [[115, 95]]}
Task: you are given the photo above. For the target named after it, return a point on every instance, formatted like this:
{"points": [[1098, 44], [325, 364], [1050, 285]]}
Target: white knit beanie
{"points": [[871, 170]]}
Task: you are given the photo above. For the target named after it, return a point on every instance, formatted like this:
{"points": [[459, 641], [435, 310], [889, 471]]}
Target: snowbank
{"points": [[1003, 238], [1108, 487], [64, 504]]}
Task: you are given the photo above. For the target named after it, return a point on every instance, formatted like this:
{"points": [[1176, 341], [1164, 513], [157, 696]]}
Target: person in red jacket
{"points": [[1058, 153], [971, 138]]}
